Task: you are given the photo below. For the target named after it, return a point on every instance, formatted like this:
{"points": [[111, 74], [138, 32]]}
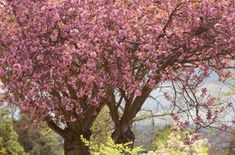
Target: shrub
{"points": [[110, 148]]}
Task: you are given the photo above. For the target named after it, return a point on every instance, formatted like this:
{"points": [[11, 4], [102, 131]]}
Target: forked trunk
{"points": [[73, 144]]}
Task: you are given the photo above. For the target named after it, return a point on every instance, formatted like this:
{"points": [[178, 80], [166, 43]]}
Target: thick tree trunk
{"points": [[73, 144], [122, 136]]}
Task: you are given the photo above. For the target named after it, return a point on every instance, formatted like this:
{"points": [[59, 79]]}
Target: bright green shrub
{"points": [[110, 148]]}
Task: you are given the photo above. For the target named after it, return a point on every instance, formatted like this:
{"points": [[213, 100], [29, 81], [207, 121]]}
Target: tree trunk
{"points": [[122, 136], [75, 148], [73, 144]]}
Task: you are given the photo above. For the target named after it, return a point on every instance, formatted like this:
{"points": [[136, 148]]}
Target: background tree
{"points": [[38, 140], [9, 144], [62, 61]]}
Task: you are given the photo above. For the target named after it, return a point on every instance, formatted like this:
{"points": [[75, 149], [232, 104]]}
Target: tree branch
{"points": [[55, 127]]}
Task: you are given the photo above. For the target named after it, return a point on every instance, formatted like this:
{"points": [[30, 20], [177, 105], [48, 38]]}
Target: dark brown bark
{"points": [[73, 144]]}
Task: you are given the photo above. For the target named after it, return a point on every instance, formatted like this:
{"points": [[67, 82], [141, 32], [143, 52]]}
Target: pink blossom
{"points": [[40, 57], [198, 120], [210, 101], [17, 67], [195, 137], [209, 114], [203, 92], [91, 64], [67, 58], [93, 54], [74, 32], [80, 94], [54, 36], [79, 111], [223, 127], [217, 26], [90, 79], [184, 125], [225, 74], [94, 102], [71, 11], [138, 93], [187, 140], [69, 107], [2, 72]]}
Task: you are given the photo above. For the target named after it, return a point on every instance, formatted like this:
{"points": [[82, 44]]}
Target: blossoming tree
{"points": [[62, 61]]}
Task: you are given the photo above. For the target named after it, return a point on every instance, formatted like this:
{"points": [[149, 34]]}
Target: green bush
{"points": [[110, 148]]}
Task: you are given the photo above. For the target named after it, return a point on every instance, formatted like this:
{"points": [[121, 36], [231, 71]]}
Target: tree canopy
{"points": [[63, 56]]}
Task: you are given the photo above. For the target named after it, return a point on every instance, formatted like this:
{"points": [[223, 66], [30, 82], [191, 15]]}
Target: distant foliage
{"points": [[161, 136], [38, 140], [173, 143], [9, 144]]}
